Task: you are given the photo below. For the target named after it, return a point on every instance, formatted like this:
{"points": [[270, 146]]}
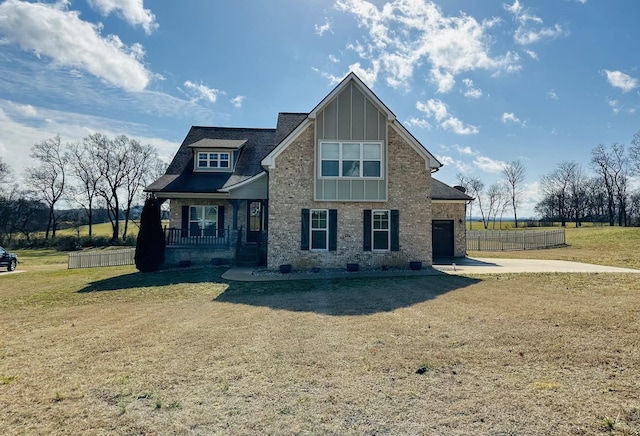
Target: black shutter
{"points": [[185, 221], [366, 230], [304, 230], [333, 229], [220, 221], [395, 230]]}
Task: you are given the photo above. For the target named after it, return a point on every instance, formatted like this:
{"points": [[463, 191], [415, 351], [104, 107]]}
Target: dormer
{"points": [[216, 155]]}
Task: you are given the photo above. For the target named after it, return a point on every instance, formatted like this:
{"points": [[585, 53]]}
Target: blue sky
{"points": [[479, 83]]}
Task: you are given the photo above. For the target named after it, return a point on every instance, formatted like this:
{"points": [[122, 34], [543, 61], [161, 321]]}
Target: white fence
{"points": [[124, 256], [511, 240]]}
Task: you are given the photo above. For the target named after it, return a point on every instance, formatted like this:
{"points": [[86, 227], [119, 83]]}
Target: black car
{"points": [[8, 260]]}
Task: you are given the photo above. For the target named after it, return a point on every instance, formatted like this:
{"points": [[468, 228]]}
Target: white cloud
{"points": [[530, 27], [406, 33], [449, 161], [470, 91], [509, 117], [532, 54], [52, 31], [621, 80], [464, 150], [201, 92], [333, 59], [418, 122], [132, 11], [488, 165], [322, 28], [552, 94], [526, 36], [237, 101], [614, 105], [18, 135], [438, 111]]}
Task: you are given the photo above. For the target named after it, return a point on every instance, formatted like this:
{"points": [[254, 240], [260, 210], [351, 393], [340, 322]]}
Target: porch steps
{"points": [[248, 255]]}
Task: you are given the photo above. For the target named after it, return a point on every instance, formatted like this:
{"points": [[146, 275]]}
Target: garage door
{"points": [[442, 233]]}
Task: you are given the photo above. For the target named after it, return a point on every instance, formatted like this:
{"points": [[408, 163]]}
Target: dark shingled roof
{"points": [[442, 191], [254, 144]]}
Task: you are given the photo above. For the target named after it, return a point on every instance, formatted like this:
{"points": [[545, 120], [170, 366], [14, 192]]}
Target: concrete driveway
{"points": [[480, 265]]}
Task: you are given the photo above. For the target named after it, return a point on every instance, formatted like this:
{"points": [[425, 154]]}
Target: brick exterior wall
{"points": [[291, 190], [455, 212]]}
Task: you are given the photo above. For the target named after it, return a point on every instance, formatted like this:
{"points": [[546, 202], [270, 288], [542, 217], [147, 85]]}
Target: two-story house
{"points": [[343, 183]]}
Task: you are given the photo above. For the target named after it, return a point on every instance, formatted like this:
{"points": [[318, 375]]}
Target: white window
{"points": [[351, 159], [380, 229], [214, 159], [319, 229], [203, 220]]}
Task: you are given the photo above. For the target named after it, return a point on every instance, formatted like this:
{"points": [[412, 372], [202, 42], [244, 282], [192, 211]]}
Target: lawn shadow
{"points": [[344, 297], [154, 279]]}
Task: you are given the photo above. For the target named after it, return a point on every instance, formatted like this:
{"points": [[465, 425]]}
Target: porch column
{"points": [[236, 205]]}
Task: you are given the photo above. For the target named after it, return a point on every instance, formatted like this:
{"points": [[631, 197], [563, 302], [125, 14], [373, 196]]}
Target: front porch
{"points": [[225, 246]]}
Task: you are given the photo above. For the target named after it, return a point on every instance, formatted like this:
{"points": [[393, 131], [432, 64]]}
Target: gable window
{"points": [[351, 159], [203, 220], [214, 159], [381, 230], [319, 229]]}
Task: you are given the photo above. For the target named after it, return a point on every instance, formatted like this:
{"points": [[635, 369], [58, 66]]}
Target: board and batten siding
{"points": [[351, 116]]}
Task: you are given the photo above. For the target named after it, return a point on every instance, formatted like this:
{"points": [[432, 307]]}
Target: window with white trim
{"points": [[214, 159], [319, 229], [203, 220], [380, 229], [351, 159]]}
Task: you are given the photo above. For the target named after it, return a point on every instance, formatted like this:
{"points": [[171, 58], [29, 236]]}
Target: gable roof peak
{"points": [[353, 78]]}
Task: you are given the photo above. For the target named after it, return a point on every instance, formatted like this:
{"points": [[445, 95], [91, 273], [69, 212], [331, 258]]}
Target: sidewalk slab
{"points": [[461, 266]]}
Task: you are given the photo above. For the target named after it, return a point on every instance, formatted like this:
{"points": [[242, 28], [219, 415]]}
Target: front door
{"points": [[254, 220], [442, 238]]}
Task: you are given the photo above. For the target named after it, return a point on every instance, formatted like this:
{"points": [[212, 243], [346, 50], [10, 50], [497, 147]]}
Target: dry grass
{"points": [[111, 351], [602, 245]]}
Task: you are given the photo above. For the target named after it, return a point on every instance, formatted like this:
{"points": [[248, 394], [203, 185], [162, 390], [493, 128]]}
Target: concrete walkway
{"points": [[462, 266], [502, 266]]}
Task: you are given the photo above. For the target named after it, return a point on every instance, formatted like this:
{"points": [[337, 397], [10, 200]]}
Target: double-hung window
{"points": [[214, 159], [203, 220], [351, 159], [380, 229], [319, 229]]}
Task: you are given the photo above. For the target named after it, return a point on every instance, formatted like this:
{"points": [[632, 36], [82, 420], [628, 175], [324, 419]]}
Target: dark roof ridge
{"points": [[233, 128]]}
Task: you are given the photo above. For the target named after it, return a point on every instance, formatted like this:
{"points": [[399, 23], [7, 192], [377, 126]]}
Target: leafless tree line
{"points": [[96, 173], [569, 191], [499, 197]]}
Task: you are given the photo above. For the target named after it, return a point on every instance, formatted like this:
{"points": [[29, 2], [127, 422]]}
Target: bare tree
{"points": [[514, 174], [48, 178], [497, 198], [577, 191], [87, 172], [476, 187], [634, 155], [5, 173], [556, 188], [143, 165], [112, 159], [463, 181], [611, 165], [124, 167]]}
